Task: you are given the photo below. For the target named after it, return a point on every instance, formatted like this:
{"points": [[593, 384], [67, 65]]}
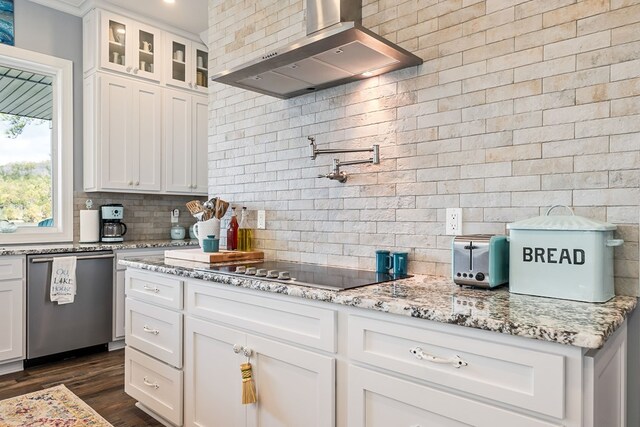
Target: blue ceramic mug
{"points": [[384, 261], [400, 261]]}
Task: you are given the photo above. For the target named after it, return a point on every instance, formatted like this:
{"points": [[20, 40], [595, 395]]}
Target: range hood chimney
{"points": [[337, 50]]}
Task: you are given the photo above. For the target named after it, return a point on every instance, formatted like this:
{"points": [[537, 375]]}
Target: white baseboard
{"points": [[8, 368], [115, 345], [154, 415]]}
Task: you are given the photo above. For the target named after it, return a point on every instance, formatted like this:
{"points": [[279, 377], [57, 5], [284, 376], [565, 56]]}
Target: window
{"points": [[36, 147]]}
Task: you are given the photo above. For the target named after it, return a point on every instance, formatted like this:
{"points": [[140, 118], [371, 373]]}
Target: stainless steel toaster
{"points": [[480, 260]]}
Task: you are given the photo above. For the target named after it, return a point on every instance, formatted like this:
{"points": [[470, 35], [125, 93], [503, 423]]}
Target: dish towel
{"points": [[63, 279]]}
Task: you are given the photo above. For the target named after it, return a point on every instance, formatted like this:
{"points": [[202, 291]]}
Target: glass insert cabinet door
{"points": [[146, 52], [117, 48], [188, 64], [179, 62], [130, 47], [202, 71]]}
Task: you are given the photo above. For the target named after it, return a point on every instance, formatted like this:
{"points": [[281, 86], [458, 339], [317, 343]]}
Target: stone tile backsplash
{"points": [[519, 105], [147, 216]]}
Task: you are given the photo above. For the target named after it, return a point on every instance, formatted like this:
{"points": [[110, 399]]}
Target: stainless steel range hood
{"points": [[337, 50]]}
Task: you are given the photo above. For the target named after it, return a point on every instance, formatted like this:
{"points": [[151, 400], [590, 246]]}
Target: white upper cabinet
{"points": [[145, 116], [185, 142], [116, 43], [187, 67], [122, 149]]}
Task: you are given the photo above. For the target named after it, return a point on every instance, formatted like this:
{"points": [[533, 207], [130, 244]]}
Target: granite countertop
{"points": [[580, 324], [92, 247]]}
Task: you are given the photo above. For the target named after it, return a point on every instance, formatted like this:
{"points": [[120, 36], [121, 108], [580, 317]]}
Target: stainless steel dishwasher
{"points": [[54, 328]]}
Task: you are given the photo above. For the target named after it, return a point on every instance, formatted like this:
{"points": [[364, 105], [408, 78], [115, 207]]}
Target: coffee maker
{"points": [[111, 226]]}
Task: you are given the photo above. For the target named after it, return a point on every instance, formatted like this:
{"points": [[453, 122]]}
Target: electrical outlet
{"points": [[453, 221], [175, 214], [262, 220]]}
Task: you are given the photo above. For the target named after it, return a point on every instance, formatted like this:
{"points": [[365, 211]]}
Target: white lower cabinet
{"points": [[12, 312], [380, 400], [11, 319], [155, 330], [154, 343], [326, 365], [429, 374], [157, 386], [294, 386], [119, 285]]}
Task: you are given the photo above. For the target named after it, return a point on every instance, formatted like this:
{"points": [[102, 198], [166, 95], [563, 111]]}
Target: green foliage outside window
{"points": [[25, 191]]}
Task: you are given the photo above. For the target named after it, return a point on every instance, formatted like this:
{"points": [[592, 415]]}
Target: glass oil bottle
{"points": [[245, 234]]}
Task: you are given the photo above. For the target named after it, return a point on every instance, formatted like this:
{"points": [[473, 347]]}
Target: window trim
{"points": [[62, 144]]}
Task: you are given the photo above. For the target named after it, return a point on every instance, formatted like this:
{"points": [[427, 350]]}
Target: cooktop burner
{"points": [[315, 276]]}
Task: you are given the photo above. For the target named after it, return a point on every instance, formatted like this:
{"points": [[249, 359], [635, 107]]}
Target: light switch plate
{"points": [[262, 220]]}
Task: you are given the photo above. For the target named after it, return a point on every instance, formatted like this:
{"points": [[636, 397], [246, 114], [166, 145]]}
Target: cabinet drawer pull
{"points": [[149, 330], [455, 361], [149, 288], [150, 384]]}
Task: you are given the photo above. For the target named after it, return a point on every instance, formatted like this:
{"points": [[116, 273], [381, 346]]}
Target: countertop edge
{"points": [[585, 339], [61, 248]]}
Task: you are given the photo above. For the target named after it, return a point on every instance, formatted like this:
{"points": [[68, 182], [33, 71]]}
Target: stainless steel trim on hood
{"points": [[341, 53]]}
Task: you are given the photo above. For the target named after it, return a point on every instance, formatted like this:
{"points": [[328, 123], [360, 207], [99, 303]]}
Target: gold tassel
{"points": [[248, 386]]}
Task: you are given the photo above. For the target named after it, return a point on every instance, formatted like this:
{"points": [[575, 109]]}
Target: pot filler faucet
{"points": [[336, 173]]}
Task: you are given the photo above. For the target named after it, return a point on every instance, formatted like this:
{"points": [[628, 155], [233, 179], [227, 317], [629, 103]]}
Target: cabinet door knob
{"points": [[246, 351], [130, 182], [128, 69], [137, 182], [135, 70]]}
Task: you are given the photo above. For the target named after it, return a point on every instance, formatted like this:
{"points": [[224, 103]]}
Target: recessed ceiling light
{"points": [[170, 1], [367, 74]]}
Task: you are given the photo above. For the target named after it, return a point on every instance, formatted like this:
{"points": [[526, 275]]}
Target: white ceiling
{"points": [[187, 15]]}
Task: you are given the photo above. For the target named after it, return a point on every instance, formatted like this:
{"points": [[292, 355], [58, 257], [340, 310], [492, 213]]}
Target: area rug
{"points": [[52, 407]]}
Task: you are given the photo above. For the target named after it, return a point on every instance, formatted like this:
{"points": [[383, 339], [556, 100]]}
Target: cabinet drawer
{"points": [[154, 384], [378, 400], [155, 331], [11, 268], [154, 288], [298, 323], [513, 375]]}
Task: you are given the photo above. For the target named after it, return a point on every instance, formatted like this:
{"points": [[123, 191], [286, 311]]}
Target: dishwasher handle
{"points": [[80, 258]]}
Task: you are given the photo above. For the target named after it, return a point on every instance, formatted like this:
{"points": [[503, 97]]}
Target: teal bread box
{"points": [[562, 256]]}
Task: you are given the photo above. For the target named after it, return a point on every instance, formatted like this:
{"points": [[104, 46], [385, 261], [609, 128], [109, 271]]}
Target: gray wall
{"points": [[41, 29]]}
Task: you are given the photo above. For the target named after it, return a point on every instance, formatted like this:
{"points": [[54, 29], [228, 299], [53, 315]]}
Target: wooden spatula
{"points": [[196, 209]]}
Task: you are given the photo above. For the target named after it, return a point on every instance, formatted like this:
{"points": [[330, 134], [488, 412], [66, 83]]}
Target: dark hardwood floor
{"points": [[98, 379]]}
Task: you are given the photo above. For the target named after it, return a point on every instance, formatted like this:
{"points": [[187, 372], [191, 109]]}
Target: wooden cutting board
{"points": [[213, 257]]}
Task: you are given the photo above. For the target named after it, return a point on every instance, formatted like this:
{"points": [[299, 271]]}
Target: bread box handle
{"points": [[559, 206], [615, 242]]}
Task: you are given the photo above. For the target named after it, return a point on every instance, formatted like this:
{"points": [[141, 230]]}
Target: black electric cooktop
{"points": [[311, 275]]}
